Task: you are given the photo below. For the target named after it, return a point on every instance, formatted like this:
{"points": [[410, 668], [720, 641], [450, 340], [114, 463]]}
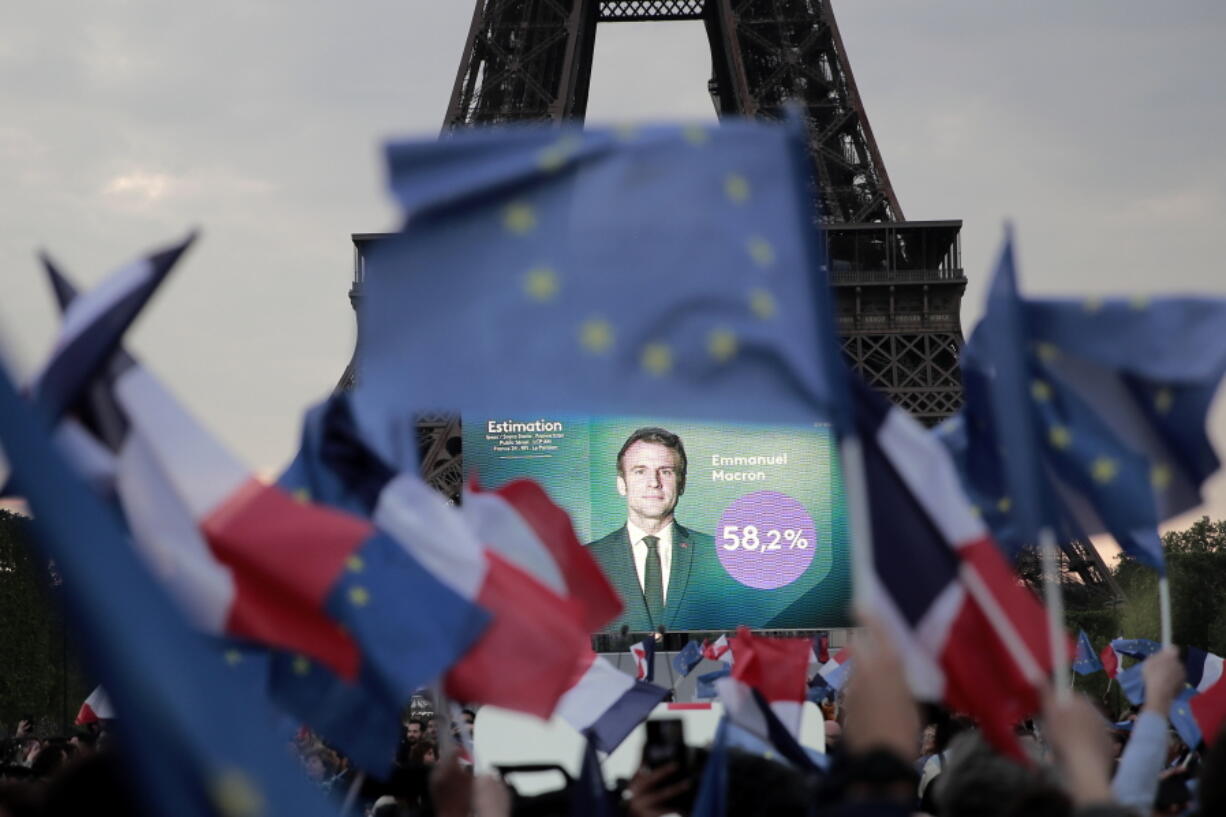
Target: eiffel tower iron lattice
{"points": [[898, 283]]}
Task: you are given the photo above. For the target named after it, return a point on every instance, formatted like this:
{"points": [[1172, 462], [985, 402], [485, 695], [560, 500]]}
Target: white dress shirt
{"points": [[639, 549]]}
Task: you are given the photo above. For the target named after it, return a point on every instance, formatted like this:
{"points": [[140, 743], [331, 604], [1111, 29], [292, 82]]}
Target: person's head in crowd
{"points": [[413, 731], [388, 806], [316, 764], [470, 716], [432, 727], [977, 782], [928, 740], [425, 753], [834, 736]]}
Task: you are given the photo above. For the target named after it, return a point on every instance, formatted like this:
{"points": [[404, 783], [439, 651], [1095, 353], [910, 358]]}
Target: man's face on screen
{"points": [[648, 480]]}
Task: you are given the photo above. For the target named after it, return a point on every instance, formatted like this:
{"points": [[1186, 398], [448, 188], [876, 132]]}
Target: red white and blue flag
{"points": [[511, 551], [644, 654], [766, 690], [606, 704], [968, 632], [834, 672], [96, 707], [718, 650]]}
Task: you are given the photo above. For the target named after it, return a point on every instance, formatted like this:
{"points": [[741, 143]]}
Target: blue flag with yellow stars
{"points": [[1089, 415], [1086, 661], [667, 271]]}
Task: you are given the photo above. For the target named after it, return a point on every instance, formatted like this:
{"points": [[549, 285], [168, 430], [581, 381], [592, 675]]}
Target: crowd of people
{"points": [[885, 755]]}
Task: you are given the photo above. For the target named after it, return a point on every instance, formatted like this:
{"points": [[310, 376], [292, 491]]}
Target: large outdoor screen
{"points": [[750, 529]]}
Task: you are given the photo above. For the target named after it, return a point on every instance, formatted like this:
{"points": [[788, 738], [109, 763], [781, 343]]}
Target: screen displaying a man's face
{"points": [[761, 538], [649, 481]]}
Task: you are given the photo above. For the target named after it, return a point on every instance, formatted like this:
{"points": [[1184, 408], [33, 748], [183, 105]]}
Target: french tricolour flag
{"points": [[766, 690], [968, 632], [247, 560], [644, 654], [1204, 669], [718, 650], [97, 707], [510, 551], [835, 671], [607, 704]]}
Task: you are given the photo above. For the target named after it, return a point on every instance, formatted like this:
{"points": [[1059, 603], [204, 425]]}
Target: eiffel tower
{"points": [[898, 283]]}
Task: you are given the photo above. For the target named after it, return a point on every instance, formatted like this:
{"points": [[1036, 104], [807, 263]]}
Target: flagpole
{"points": [[1164, 609], [1053, 596], [352, 795]]}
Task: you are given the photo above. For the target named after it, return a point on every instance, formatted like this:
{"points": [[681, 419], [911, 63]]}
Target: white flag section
{"points": [[608, 704]]}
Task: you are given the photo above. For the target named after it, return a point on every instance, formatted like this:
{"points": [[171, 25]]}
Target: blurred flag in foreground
{"points": [[968, 632], [663, 271], [766, 691], [359, 720], [1209, 709], [1101, 405], [1086, 661], [606, 704], [192, 734], [512, 551]]}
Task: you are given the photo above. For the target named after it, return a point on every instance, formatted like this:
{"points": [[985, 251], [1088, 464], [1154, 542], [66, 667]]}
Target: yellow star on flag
{"points": [[541, 283], [301, 665], [1047, 352], [519, 218], [736, 187], [761, 251], [1138, 302], [1040, 390], [696, 135], [722, 344], [302, 496], [354, 563], [233, 657], [359, 596], [1163, 400], [235, 795], [596, 335], [1059, 437], [1092, 305], [1104, 469], [657, 359], [762, 304], [1004, 504], [1160, 476]]}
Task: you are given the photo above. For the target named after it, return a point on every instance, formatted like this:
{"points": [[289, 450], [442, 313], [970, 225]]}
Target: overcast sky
{"points": [[1097, 126]]}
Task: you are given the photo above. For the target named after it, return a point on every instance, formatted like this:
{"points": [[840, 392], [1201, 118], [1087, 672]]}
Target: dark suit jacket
{"points": [[696, 581]]}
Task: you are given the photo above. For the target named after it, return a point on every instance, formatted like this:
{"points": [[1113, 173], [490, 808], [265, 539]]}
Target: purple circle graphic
{"points": [[765, 540]]}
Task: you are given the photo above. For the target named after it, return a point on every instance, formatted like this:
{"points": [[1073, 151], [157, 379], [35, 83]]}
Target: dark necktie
{"points": [[653, 581]]}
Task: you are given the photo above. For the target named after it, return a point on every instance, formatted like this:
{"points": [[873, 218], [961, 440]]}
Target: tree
{"points": [[39, 678]]}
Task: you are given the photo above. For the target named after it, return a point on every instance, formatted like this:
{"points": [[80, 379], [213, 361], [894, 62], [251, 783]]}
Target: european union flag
{"points": [[193, 735], [1086, 661], [662, 270], [1140, 648], [1091, 413], [687, 658]]}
